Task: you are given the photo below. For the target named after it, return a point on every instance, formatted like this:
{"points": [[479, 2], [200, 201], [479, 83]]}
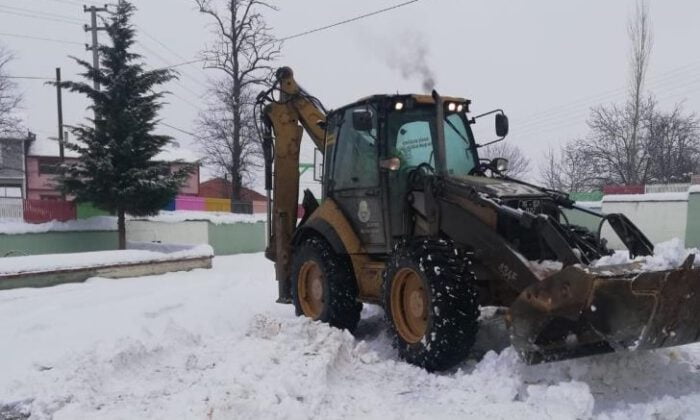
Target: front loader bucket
{"points": [[581, 311]]}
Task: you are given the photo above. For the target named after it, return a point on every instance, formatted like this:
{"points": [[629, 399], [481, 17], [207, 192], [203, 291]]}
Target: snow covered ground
{"points": [[213, 344]]}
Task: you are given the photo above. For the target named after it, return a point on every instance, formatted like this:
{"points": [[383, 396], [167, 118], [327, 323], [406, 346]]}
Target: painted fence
{"points": [[11, 208], [40, 211], [193, 203]]}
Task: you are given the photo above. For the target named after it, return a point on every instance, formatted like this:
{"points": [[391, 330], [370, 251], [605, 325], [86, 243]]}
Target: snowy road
{"points": [[213, 344]]}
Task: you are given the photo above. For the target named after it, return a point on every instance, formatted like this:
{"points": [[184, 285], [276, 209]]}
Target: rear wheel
{"points": [[323, 285], [431, 302]]}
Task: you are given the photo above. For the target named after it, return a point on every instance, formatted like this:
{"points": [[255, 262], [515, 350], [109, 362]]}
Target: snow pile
{"points": [[143, 253], [217, 218], [98, 223], [545, 268], [667, 255], [213, 344]]}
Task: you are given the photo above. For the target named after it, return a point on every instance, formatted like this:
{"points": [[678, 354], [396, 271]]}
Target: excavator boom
{"points": [[287, 116]]}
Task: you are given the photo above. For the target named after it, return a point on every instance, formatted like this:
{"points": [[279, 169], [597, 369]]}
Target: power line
{"points": [[72, 2], [26, 77], [150, 51], [170, 50], [354, 19], [32, 16], [311, 31], [40, 13], [172, 66], [178, 129], [670, 81], [37, 38]]}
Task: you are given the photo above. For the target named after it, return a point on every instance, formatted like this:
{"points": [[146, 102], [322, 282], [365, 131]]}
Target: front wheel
{"points": [[431, 302], [323, 285]]}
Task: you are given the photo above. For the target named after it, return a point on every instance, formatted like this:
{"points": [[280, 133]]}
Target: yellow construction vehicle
{"points": [[412, 219]]}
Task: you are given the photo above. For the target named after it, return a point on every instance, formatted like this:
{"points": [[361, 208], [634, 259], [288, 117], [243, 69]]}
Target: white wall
{"points": [[661, 216], [189, 232]]}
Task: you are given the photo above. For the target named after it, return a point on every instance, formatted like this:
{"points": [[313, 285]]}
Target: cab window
{"points": [[458, 147], [356, 163]]}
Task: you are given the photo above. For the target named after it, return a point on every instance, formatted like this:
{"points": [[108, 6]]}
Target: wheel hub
{"points": [[409, 305], [310, 287]]}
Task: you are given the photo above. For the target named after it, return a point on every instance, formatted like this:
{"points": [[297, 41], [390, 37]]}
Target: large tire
{"points": [[323, 285], [431, 303]]}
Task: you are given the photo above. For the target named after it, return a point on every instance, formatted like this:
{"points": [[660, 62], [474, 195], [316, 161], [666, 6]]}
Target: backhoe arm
{"points": [[284, 121]]}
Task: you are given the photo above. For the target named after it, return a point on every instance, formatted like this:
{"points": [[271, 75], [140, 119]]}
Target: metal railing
{"points": [[11, 208]]}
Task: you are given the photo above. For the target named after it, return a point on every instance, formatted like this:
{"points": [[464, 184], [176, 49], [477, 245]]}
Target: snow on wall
{"points": [[51, 262]]}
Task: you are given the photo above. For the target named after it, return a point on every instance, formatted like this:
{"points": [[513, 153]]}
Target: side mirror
{"points": [[362, 121], [501, 125]]}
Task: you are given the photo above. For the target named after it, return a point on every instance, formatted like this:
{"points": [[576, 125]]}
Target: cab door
{"points": [[355, 184]]}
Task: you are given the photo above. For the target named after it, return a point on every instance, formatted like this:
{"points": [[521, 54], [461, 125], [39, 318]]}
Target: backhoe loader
{"points": [[412, 219]]}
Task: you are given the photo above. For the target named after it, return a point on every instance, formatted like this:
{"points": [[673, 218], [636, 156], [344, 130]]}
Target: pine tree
{"points": [[116, 170]]}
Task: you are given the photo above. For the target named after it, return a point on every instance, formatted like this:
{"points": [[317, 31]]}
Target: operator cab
{"points": [[374, 145]]}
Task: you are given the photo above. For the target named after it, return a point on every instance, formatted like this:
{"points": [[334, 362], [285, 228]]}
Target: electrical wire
{"points": [[37, 38], [170, 50], [178, 129], [32, 16], [40, 14], [26, 77], [312, 31], [343, 22], [76, 3], [671, 80]]}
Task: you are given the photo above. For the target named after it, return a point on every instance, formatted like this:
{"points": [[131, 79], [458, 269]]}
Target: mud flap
{"points": [[578, 312]]}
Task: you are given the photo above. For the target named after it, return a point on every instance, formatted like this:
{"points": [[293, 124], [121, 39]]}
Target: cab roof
{"points": [[419, 98]]}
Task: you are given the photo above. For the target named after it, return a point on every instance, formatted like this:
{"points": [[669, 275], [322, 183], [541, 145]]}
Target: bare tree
{"points": [[518, 163], [617, 148], [617, 145], [673, 146], [10, 99], [243, 52], [217, 132], [568, 170]]}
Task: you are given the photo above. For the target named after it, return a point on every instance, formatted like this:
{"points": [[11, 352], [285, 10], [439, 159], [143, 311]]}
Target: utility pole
{"points": [[59, 101], [93, 10]]}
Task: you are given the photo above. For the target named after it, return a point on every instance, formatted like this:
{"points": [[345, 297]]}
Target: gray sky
{"points": [[544, 61]]}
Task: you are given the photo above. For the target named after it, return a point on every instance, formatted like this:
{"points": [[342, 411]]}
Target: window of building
{"points": [[10, 191], [48, 166]]}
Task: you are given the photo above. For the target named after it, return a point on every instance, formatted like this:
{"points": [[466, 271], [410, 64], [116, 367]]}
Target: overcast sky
{"points": [[545, 62]]}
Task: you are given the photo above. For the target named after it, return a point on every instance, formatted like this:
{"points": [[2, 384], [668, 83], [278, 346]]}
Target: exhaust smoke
{"points": [[411, 60]]}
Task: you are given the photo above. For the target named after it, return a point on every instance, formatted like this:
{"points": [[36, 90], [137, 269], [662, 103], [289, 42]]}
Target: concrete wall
{"points": [[661, 216], [226, 239], [190, 232], [57, 243], [692, 228], [240, 238]]}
